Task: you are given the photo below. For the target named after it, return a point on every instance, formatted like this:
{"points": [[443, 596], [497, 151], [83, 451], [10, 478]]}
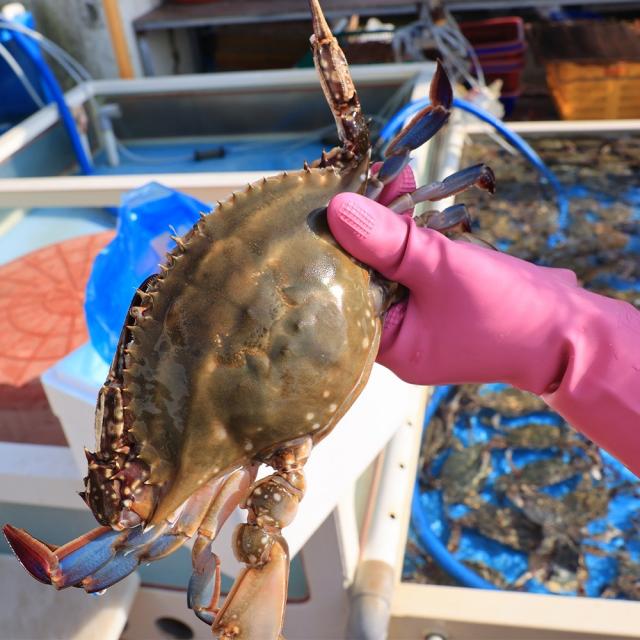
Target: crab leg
{"points": [[423, 126], [456, 217], [204, 585], [255, 605], [103, 556], [66, 565], [479, 175], [339, 92]]}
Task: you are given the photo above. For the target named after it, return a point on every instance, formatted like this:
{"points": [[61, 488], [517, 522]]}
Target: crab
{"points": [[502, 524], [464, 473], [545, 436], [508, 401], [218, 364], [542, 473]]}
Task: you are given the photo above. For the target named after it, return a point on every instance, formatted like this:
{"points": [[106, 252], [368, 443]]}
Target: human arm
{"points": [[477, 315]]}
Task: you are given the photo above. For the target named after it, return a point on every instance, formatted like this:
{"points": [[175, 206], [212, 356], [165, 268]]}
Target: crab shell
{"points": [[259, 331]]}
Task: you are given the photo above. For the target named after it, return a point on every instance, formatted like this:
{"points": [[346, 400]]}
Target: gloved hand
{"points": [[477, 315]]}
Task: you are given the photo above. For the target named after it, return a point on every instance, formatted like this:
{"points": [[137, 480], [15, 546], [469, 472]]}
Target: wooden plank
{"points": [[118, 38]]}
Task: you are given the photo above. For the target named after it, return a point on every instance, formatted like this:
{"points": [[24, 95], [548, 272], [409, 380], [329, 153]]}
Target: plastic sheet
{"points": [[147, 219]]}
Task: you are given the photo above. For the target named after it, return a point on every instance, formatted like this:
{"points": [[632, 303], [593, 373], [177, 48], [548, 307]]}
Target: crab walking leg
{"points": [[479, 175], [255, 605], [204, 585], [68, 564], [103, 556], [453, 218], [154, 543], [422, 127]]}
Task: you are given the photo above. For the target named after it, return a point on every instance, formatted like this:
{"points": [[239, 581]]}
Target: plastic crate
{"points": [[500, 45], [510, 75], [496, 37], [595, 91]]}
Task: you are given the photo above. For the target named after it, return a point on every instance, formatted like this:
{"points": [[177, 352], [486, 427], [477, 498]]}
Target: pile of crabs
{"points": [[602, 239], [514, 492]]}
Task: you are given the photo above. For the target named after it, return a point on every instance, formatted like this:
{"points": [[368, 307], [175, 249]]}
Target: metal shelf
{"points": [[170, 16], [226, 12]]}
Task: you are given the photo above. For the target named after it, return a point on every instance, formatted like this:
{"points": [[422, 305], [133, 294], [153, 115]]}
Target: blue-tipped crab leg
{"points": [[479, 175], [423, 126], [93, 561], [66, 565], [103, 556], [453, 220], [456, 217]]}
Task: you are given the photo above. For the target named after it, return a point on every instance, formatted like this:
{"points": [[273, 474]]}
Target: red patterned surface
{"points": [[41, 321], [41, 307]]}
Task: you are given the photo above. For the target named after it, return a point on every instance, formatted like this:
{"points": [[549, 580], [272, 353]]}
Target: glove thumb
{"points": [[368, 231]]}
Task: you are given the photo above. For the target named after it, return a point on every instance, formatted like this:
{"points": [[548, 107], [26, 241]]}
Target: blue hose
{"points": [[58, 97], [410, 109], [439, 552]]}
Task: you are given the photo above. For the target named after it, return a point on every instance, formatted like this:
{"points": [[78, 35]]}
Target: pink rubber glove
{"points": [[477, 315]]}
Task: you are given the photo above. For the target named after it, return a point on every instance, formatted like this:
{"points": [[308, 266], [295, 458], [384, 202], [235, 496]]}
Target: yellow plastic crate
{"points": [[595, 91]]}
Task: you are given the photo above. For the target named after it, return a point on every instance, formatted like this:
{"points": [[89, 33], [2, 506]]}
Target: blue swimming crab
{"points": [[247, 348]]}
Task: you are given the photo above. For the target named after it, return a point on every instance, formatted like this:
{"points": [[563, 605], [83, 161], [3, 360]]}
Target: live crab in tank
{"points": [[217, 371]]}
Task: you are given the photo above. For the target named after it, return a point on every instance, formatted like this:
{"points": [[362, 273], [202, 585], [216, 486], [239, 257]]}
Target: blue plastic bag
{"points": [[146, 220]]}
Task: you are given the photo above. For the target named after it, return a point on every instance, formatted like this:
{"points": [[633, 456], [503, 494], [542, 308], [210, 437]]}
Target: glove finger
{"points": [[404, 183], [368, 231]]}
